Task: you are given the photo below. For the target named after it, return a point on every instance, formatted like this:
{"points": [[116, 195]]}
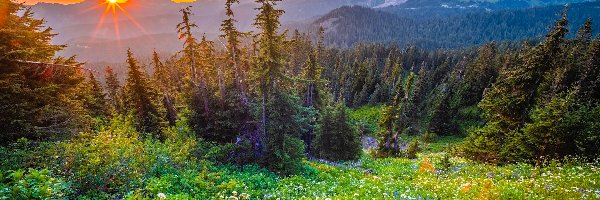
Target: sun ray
{"points": [[116, 23], [131, 19], [102, 18], [115, 8], [92, 8]]}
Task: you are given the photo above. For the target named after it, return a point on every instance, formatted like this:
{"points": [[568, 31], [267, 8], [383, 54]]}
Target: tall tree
{"points": [[97, 103], [112, 89], [140, 98], [39, 94], [163, 80], [191, 54], [233, 38], [523, 84], [279, 118]]}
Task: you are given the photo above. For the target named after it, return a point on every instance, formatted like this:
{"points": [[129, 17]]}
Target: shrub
{"points": [[413, 149], [33, 184], [113, 160], [428, 137]]}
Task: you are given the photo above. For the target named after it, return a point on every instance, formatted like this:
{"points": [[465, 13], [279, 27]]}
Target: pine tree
{"points": [[589, 82], [191, 50], [280, 123], [97, 103], [163, 81], [40, 95], [336, 138], [140, 98], [524, 83], [112, 89]]}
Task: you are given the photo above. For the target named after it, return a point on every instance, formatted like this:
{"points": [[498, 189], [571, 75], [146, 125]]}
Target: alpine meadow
{"points": [[299, 99]]}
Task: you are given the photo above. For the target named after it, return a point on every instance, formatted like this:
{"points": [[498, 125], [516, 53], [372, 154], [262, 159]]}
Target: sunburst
{"points": [[113, 7]]}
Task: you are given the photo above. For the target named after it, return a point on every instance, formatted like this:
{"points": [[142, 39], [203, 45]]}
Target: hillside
{"points": [[347, 26]]}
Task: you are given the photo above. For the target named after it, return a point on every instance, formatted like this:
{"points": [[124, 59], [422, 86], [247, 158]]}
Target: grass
{"points": [[426, 178]]}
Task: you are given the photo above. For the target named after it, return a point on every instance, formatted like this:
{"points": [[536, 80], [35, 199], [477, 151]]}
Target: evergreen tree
{"points": [[336, 138], [40, 95], [524, 83], [280, 123], [140, 98], [97, 104], [191, 50], [112, 89], [162, 79], [589, 83]]}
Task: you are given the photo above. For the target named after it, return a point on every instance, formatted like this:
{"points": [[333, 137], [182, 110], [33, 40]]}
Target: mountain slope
{"points": [[349, 25]]}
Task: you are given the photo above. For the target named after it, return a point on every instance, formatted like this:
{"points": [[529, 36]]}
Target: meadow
{"points": [[112, 165]]}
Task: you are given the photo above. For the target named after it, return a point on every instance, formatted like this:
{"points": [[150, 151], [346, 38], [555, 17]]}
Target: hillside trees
{"points": [[41, 97], [280, 113], [531, 110], [140, 99]]}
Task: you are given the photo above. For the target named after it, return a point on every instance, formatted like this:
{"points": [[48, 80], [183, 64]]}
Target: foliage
{"points": [[33, 184], [532, 110], [336, 138], [112, 160], [366, 119], [412, 149], [37, 101], [140, 99]]}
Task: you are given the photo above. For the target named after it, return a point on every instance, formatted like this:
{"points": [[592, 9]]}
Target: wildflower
{"points": [[426, 166], [234, 193], [403, 196], [491, 175], [465, 187], [245, 196], [161, 195]]}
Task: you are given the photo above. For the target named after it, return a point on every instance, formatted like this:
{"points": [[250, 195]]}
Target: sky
{"points": [[31, 2]]}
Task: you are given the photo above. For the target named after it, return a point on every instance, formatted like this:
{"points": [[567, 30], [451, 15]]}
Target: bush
{"points": [[428, 137], [413, 149], [113, 160], [33, 184]]}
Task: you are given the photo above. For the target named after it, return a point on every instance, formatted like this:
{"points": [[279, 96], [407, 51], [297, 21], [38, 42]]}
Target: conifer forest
{"points": [[299, 99]]}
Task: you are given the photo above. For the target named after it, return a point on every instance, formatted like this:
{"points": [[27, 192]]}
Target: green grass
{"points": [[176, 169]]}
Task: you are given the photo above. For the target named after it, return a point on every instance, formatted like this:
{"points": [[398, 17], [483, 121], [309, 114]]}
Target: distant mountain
{"points": [[347, 26]]}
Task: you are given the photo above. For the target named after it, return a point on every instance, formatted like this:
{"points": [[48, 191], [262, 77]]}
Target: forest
{"points": [[283, 114]]}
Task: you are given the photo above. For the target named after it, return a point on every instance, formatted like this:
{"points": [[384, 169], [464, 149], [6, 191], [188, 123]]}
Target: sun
{"points": [[111, 7]]}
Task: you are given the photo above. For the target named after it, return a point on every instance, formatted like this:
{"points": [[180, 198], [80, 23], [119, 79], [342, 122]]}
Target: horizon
{"points": [[68, 2]]}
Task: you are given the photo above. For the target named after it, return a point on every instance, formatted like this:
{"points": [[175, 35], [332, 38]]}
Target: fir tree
{"points": [[112, 89], [279, 118], [140, 98], [97, 103], [163, 81], [40, 95], [337, 139]]}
